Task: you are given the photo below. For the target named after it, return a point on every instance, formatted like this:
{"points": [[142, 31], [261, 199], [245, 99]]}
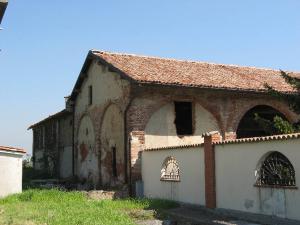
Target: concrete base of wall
{"points": [[194, 214]]}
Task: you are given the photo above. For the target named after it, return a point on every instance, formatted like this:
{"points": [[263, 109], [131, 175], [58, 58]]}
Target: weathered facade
{"points": [[3, 5], [53, 145], [122, 104]]}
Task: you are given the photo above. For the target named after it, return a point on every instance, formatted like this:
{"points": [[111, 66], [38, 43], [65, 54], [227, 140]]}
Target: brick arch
{"points": [[215, 112], [148, 110], [85, 147], [279, 106], [105, 153], [139, 115], [86, 114], [205, 106]]}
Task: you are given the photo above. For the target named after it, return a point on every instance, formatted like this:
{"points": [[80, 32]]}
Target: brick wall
{"points": [[227, 108]]}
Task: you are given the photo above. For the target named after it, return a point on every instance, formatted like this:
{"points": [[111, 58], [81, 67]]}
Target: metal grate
{"points": [[276, 170], [170, 170]]}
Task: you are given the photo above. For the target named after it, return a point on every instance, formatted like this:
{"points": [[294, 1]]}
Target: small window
{"points": [[184, 118], [114, 162], [170, 170], [276, 170], [90, 95]]}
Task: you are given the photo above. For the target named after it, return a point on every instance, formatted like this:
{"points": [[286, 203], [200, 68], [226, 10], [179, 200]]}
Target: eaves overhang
{"points": [[3, 6]]}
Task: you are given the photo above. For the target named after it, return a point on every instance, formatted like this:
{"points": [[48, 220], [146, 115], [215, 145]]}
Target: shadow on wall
{"points": [[176, 124]]}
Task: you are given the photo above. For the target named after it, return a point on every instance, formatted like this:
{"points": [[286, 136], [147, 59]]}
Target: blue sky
{"points": [[44, 44]]}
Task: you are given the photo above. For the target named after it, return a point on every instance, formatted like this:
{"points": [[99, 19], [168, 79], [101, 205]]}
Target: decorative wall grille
{"points": [[276, 170], [170, 170]]}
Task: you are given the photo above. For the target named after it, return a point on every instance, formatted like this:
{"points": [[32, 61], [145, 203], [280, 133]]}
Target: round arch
{"points": [[112, 146], [86, 151], [249, 127], [160, 129], [275, 169]]}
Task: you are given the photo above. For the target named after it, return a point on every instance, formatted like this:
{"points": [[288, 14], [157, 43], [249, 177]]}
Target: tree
{"points": [[293, 99], [280, 125]]}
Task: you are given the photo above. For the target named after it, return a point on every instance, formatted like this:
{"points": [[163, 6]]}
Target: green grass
{"points": [[54, 207]]}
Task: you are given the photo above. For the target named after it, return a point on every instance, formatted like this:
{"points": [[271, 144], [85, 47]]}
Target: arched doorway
{"points": [[87, 155], [249, 127], [113, 164]]}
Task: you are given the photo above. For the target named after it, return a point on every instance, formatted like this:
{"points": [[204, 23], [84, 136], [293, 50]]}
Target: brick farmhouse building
{"points": [[122, 104]]}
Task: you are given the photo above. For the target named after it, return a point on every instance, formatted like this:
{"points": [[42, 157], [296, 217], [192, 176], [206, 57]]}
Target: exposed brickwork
{"points": [[147, 94], [226, 107], [230, 136], [210, 176], [136, 143]]}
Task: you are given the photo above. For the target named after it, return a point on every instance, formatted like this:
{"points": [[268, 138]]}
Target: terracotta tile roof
{"points": [[260, 139], [54, 116], [145, 69], [11, 149], [236, 141], [174, 147]]}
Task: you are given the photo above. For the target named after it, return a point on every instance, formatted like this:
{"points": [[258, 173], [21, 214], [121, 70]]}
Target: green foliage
{"points": [[293, 99], [54, 207], [281, 126], [277, 126]]}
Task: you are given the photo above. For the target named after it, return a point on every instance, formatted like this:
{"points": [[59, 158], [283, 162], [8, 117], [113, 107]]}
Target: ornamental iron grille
{"points": [[170, 170], [276, 170]]}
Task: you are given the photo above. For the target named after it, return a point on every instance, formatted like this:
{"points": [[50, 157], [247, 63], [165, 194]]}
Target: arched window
{"points": [[276, 170], [170, 170], [249, 127]]}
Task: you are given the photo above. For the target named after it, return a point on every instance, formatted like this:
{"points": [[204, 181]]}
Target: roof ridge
{"points": [[189, 61]]}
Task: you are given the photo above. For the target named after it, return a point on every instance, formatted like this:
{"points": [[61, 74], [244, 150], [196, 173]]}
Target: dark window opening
{"points": [[249, 127], [184, 118], [276, 170], [114, 161], [90, 95]]}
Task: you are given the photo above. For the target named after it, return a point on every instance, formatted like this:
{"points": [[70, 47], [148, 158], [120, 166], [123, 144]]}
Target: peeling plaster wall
{"points": [[161, 130], [112, 135], [66, 146], [190, 189], [54, 137], [88, 155], [11, 173], [45, 147], [108, 88], [235, 179]]}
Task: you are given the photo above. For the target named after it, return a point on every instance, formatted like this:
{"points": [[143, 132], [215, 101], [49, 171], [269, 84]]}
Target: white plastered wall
{"points": [[161, 130], [190, 189], [10, 172], [235, 179]]}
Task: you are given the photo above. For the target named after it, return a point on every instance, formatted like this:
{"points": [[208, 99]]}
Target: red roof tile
{"points": [[12, 149], [260, 139], [235, 141], [144, 69], [62, 113]]}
